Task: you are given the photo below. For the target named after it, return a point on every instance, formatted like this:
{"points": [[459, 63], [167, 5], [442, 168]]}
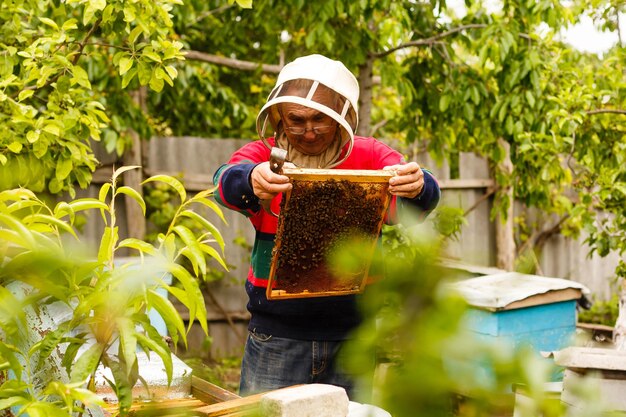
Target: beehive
{"points": [[323, 210]]}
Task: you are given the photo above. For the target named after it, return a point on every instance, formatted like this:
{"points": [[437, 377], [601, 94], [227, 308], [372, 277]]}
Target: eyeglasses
{"points": [[318, 130]]}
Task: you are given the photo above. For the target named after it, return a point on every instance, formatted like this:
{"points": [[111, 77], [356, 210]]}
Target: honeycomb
{"points": [[319, 215]]}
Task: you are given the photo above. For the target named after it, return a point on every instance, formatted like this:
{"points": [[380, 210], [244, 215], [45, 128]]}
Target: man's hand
{"points": [[408, 181], [267, 184]]}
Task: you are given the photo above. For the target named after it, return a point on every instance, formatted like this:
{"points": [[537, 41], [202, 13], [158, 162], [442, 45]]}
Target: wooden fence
{"points": [[194, 160]]}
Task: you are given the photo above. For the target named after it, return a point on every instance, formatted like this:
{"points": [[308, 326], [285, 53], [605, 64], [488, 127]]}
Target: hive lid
{"points": [[319, 215], [512, 290]]}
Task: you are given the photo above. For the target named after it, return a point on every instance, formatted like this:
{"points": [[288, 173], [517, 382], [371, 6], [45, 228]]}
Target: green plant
{"points": [[107, 301], [601, 312], [413, 330]]}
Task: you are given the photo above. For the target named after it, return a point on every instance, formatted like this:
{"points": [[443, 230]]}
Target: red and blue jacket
{"points": [[320, 318]]}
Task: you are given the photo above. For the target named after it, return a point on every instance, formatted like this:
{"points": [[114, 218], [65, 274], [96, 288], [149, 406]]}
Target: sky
{"points": [[583, 36]]}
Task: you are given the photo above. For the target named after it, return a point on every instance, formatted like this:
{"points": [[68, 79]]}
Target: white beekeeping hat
{"points": [[319, 73]]}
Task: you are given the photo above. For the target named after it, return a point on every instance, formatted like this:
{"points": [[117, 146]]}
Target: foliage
{"points": [[107, 301], [431, 365], [69, 73], [601, 312]]}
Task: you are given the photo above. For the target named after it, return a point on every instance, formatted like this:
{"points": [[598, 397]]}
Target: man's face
{"points": [[308, 130]]}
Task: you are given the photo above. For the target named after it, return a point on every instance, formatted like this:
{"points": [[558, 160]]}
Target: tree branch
{"points": [[600, 111], [488, 193], [539, 238], [230, 62], [429, 41], [84, 42]]}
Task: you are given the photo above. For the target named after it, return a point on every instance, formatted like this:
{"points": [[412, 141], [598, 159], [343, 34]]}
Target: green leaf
{"points": [[139, 245], [122, 170], [193, 252], [50, 342], [80, 76], [11, 402], [144, 73], [160, 73], [53, 221], [171, 71], [87, 204], [22, 204], [99, 4], [128, 341], [18, 227], [168, 313], [192, 297], [87, 363], [172, 182], [128, 77], [213, 206], [134, 34], [156, 83], [15, 147], [125, 64], [157, 346], [104, 191], [213, 253], [32, 136], [13, 237], [207, 225], [87, 397], [106, 244], [151, 55], [244, 4], [530, 98], [49, 22], [24, 94], [69, 24], [63, 169], [444, 102], [9, 353], [134, 195], [52, 128]]}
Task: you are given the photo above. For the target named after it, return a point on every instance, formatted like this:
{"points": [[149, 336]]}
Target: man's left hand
{"points": [[408, 181]]}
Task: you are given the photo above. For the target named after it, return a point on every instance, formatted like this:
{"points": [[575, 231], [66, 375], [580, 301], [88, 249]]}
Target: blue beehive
{"points": [[522, 309]]}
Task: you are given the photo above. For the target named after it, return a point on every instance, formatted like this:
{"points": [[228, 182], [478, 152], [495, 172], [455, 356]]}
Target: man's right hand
{"points": [[267, 184]]}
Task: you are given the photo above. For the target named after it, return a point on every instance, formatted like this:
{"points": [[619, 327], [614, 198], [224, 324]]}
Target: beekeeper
{"points": [[312, 114]]}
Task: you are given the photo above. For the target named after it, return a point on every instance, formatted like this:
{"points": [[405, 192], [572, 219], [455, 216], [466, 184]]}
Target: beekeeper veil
{"points": [[298, 83]]}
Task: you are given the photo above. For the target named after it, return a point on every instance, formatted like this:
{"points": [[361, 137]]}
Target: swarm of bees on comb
{"points": [[316, 219]]}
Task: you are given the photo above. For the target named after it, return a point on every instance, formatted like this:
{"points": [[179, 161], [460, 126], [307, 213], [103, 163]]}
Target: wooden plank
{"points": [[228, 408], [238, 407], [210, 393], [459, 184], [354, 175], [158, 408], [192, 182], [547, 298], [135, 220]]}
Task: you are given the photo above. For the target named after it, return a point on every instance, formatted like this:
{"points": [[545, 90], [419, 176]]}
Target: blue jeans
{"points": [[271, 362]]}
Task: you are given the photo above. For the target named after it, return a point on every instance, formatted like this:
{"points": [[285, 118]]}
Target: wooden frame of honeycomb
{"points": [[323, 210]]}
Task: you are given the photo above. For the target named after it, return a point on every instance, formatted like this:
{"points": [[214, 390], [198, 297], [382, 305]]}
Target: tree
{"points": [[67, 76]]}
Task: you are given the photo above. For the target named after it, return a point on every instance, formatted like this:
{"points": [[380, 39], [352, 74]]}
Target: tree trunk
{"points": [[365, 101], [505, 242], [619, 333]]}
